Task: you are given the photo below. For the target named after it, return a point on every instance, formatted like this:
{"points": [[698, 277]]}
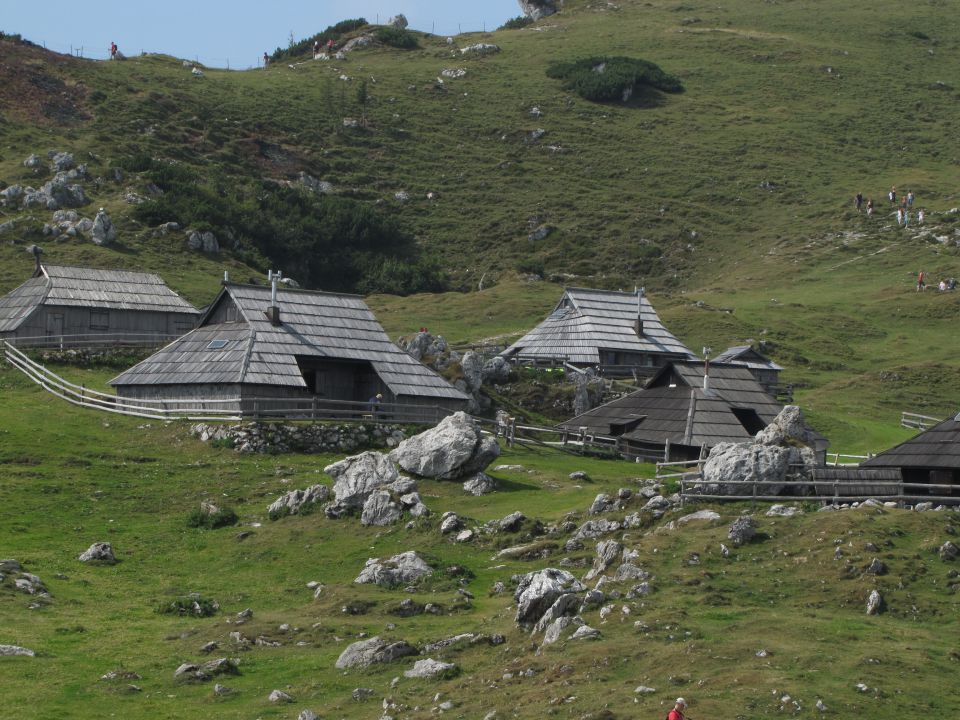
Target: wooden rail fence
{"points": [[918, 422], [228, 409]]}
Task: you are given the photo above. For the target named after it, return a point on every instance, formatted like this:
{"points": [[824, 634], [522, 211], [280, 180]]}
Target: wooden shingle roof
{"points": [[936, 448], [746, 355], [64, 286], [674, 406], [313, 324], [586, 321]]}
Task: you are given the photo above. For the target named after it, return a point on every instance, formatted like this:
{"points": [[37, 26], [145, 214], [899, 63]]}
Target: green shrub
{"points": [[226, 443], [334, 32], [396, 37], [192, 604], [521, 21], [612, 79], [531, 266], [222, 518]]}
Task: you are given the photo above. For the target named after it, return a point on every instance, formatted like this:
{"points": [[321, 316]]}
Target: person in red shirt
{"points": [[678, 707]]}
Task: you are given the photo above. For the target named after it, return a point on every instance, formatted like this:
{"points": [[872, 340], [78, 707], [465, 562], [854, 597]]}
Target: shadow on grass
{"points": [[512, 485]]}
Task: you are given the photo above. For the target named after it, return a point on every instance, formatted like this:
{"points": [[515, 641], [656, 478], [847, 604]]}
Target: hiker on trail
{"points": [[952, 284], [921, 285], [906, 218], [920, 216], [330, 46], [899, 216], [113, 51], [316, 48], [266, 61], [858, 201], [909, 198], [893, 195], [678, 707], [942, 287], [870, 206]]}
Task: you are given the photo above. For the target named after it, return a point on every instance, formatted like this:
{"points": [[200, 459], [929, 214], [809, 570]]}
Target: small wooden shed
{"points": [[678, 416], [63, 306], [618, 331], [298, 344], [932, 457]]}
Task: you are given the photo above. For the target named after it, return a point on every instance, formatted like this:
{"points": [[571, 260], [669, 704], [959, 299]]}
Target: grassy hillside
{"points": [[730, 202], [90, 477]]}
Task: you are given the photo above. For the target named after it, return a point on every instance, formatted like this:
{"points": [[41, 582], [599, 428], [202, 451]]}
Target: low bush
{"points": [[521, 21], [224, 517], [396, 37], [612, 79], [333, 32], [192, 604]]}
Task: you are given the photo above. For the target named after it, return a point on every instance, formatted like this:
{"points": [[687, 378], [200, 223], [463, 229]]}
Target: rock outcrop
{"points": [[538, 591], [453, 449], [103, 232], [101, 552], [359, 476], [292, 502], [536, 9]]}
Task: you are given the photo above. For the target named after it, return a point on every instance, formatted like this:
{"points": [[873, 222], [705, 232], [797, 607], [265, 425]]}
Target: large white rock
{"points": [[380, 509], [364, 653], [430, 668], [16, 650], [103, 232], [536, 9], [358, 476], [607, 552], [400, 569], [291, 502], [732, 462], [453, 449], [787, 428], [99, 552], [539, 590]]}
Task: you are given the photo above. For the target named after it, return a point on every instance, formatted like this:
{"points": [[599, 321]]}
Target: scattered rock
{"points": [[451, 523], [279, 696], [480, 484], [402, 569], [948, 551], [536, 9], [783, 511], [512, 522], [555, 631], [221, 690], [380, 509], [99, 552], [207, 670], [357, 477], [33, 161], [431, 668], [874, 603], [876, 567], [480, 49], [398, 21], [699, 516], [59, 161], [364, 653], [585, 632], [308, 715], [9, 650], [607, 552], [743, 530]]}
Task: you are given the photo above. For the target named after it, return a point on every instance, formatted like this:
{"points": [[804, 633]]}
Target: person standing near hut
{"points": [[921, 285], [374, 403]]}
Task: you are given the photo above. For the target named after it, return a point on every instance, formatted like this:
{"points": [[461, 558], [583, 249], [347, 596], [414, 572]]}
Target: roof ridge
{"points": [[305, 291]]}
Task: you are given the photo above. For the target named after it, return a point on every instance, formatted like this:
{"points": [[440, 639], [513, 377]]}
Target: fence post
{"points": [[313, 408], [666, 450], [513, 431]]}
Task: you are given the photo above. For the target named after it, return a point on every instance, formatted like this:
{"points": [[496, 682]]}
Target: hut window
{"points": [[99, 319], [217, 344]]}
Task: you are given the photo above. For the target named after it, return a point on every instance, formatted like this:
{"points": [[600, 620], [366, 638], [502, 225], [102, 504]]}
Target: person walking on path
{"points": [[906, 218], [113, 51], [920, 216], [921, 285], [330, 46], [316, 48], [266, 61], [858, 201], [893, 195], [870, 206], [909, 198], [678, 707], [899, 216]]}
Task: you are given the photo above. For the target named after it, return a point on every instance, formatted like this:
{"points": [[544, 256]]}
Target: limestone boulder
{"points": [[453, 449], [372, 651], [496, 370], [746, 462], [788, 428], [743, 530], [101, 552], [381, 509], [431, 668], [103, 232], [292, 502], [402, 569], [11, 650], [398, 21], [480, 484], [537, 591], [607, 552], [359, 476]]}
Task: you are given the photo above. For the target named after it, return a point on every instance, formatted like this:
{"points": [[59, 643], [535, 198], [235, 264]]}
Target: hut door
{"points": [[54, 324]]}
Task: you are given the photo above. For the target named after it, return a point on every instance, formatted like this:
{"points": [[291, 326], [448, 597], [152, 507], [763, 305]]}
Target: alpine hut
{"points": [[64, 306], [257, 346], [619, 332], [682, 412], [930, 458], [765, 370]]}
